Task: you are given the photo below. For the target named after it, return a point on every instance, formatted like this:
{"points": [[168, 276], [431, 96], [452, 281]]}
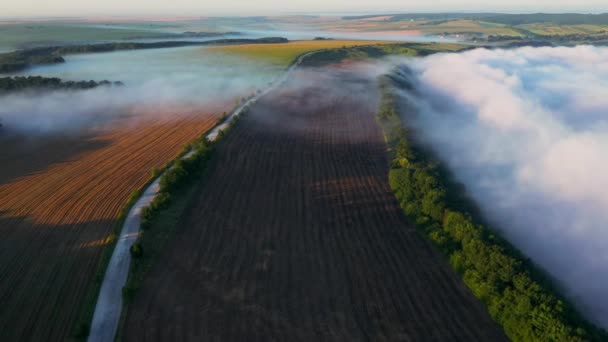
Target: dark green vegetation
{"points": [[359, 53], [22, 59], [191, 34], [159, 219], [15, 84], [517, 294], [19, 60], [182, 173]]}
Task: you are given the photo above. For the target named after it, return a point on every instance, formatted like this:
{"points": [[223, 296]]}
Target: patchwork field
{"points": [[295, 236], [14, 36], [468, 26], [550, 29], [60, 200]]}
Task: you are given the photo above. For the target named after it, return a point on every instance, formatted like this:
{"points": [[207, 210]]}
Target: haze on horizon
{"points": [[35, 8]]}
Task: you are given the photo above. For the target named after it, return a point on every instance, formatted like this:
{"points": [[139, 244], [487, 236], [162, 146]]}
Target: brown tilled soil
{"points": [[296, 236], [59, 200]]}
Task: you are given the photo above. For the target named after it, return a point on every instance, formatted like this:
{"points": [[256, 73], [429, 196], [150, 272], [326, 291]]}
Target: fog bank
{"points": [[157, 82], [527, 131]]}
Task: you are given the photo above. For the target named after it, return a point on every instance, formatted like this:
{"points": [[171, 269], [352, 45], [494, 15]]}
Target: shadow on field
{"points": [[22, 155]]}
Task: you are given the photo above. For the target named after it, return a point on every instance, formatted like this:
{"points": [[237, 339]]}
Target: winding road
{"points": [[109, 303]]}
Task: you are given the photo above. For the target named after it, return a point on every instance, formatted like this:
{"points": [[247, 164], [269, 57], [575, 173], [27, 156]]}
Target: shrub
{"points": [[136, 250]]}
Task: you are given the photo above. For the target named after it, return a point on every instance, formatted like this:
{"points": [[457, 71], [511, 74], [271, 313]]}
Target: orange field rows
{"points": [[55, 220]]}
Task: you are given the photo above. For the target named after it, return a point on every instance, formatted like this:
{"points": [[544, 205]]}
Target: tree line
{"points": [[178, 182], [517, 294], [22, 59], [20, 83]]}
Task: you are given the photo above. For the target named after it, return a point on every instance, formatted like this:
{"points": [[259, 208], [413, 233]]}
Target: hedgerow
{"points": [[516, 293]]}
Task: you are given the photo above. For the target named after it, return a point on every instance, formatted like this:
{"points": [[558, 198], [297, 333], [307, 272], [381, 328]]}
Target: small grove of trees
{"points": [[14, 84], [515, 292], [136, 250], [181, 174], [19, 60], [175, 179]]}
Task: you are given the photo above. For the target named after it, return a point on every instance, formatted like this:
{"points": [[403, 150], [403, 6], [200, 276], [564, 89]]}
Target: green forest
{"points": [[517, 294], [15, 84]]}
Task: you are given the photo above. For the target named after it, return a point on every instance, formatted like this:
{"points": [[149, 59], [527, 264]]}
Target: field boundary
{"points": [[20, 60], [216, 133], [104, 328], [81, 327]]}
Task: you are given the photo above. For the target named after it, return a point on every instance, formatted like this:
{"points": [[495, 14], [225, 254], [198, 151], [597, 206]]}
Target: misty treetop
{"points": [[516, 293], [20, 83]]}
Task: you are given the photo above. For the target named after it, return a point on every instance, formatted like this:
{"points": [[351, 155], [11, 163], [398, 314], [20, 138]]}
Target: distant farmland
{"points": [[14, 36], [60, 199], [551, 29]]}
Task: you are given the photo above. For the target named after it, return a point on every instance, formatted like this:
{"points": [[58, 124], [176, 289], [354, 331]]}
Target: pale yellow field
{"points": [[468, 26], [285, 53], [549, 29]]}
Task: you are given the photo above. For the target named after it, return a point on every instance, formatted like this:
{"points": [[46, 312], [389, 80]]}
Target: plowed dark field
{"points": [[296, 236]]}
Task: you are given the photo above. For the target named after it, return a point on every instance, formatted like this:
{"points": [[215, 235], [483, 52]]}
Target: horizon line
{"points": [[291, 13]]}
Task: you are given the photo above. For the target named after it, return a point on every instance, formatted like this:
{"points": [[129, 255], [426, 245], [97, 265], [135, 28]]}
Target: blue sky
{"points": [[246, 7]]}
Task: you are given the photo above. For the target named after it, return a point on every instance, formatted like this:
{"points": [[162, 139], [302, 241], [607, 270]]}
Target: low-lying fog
{"points": [[159, 81], [302, 33], [527, 131]]}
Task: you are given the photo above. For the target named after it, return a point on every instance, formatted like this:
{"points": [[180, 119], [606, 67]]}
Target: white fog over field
{"points": [[163, 80], [527, 131]]}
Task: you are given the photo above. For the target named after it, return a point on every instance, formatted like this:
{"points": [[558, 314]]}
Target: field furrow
{"points": [[295, 236]]}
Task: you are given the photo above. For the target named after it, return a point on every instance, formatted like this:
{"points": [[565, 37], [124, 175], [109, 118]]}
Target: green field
{"points": [[284, 54]]}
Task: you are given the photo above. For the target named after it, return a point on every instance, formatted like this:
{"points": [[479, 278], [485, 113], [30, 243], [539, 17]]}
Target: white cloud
{"points": [[527, 132]]}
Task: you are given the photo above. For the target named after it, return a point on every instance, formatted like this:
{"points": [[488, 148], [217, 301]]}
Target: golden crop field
{"points": [[286, 53], [468, 26], [59, 203]]}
